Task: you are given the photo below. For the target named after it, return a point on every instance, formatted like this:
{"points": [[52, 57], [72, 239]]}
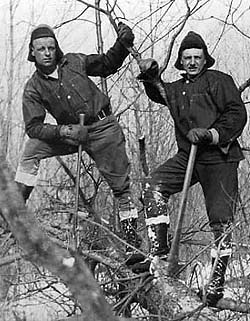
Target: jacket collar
{"points": [[63, 61]]}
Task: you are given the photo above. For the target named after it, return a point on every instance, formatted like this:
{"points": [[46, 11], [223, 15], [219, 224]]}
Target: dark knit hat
{"points": [[193, 40], [42, 31]]}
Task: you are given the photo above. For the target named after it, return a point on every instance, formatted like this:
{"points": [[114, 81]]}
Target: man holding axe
{"points": [[208, 112], [61, 86]]}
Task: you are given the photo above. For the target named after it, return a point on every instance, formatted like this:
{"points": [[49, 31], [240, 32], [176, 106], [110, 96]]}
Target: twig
{"points": [[243, 87], [170, 48], [143, 159]]}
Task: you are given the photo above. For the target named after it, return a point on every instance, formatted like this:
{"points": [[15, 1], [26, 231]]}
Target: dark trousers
{"points": [[219, 183]]}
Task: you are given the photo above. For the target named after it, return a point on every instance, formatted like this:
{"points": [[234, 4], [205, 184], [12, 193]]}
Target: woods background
{"points": [[29, 291]]}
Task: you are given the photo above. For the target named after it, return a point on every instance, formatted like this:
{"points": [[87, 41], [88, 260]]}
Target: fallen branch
{"points": [[39, 249]]}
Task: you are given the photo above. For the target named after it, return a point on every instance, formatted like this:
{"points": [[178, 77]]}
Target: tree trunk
{"points": [[39, 249]]}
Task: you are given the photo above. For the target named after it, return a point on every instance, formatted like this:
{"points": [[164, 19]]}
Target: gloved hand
{"points": [[74, 134], [149, 69], [125, 35], [200, 136]]}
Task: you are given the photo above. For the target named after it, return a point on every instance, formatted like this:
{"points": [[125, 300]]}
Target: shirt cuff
{"points": [[215, 136]]}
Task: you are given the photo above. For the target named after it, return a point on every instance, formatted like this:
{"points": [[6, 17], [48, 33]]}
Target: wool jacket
{"points": [[210, 100], [72, 93]]}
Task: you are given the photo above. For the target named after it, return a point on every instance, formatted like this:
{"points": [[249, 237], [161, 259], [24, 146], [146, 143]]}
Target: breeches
{"points": [[106, 146], [219, 183]]}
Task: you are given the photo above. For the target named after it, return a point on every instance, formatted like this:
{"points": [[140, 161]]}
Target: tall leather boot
{"points": [[159, 240], [25, 190], [128, 215], [130, 235], [220, 255], [159, 246], [215, 288], [129, 231], [157, 222]]}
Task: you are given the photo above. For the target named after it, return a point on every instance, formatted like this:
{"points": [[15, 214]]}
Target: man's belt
{"points": [[102, 114]]}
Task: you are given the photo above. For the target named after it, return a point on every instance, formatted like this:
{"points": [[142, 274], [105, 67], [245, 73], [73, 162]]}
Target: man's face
{"points": [[44, 51], [193, 60]]}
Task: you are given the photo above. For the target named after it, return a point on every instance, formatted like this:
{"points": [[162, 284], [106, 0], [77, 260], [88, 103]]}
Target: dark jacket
{"points": [[73, 93], [211, 100]]}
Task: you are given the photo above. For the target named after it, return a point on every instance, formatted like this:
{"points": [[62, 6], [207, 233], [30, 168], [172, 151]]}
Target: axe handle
{"points": [[174, 252], [77, 184]]}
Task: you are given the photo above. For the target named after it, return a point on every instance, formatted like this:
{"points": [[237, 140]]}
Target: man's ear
{"points": [[32, 51]]}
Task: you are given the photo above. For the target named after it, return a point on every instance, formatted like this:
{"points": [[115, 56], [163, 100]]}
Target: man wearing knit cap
{"points": [[208, 111], [61, 86]]}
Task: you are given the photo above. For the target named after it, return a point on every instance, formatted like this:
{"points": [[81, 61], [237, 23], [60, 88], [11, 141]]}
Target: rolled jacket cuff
{"points": [[215, 136]]}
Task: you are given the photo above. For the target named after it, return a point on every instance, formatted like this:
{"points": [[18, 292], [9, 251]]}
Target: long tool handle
{"points": [[174, 252], [77, 185]]}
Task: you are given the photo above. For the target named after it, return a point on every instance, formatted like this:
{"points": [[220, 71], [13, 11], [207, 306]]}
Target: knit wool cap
{"points": [[42, 31], [193, 40]]}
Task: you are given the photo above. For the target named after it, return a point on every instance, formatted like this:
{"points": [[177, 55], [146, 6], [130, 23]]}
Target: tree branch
{"points": [[170, 47], [70, 268]]}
